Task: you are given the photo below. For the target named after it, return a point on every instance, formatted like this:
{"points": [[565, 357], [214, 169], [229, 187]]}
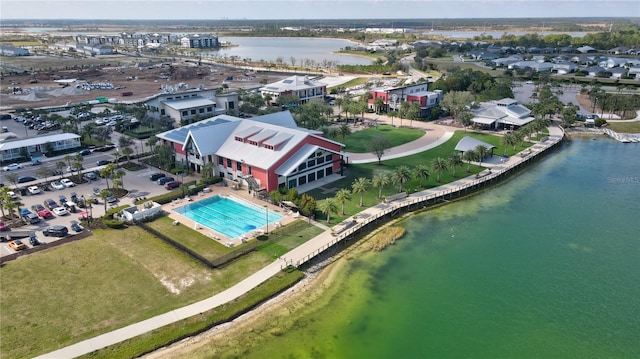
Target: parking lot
{"points": [[136, 182]]}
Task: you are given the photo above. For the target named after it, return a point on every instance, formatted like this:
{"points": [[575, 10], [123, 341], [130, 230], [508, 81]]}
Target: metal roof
{"points": [[469, 143], [179, 135], [187, 103], [294, 161], [27, 142]]}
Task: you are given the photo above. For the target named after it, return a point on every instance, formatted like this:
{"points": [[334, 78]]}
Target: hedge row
{"points": [[108, 220]]}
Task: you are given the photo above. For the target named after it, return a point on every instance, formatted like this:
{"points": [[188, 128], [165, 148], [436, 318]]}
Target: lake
{"points": [[545, 265], [272, 48]]}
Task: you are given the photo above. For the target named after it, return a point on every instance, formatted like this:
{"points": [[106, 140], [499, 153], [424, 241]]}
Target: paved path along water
{"points": [[296, 256]]}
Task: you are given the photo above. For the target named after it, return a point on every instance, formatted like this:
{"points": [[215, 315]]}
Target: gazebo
{"points": [[469, 143]]}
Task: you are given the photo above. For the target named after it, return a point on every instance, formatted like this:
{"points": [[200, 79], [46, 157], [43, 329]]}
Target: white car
{"points": [[34, 190], [57, 185], [60, 211], [12, 194], [11, 167], [67, 182]]}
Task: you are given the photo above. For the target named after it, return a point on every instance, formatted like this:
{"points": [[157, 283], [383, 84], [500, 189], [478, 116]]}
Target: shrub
{"points": [[110, 222]]}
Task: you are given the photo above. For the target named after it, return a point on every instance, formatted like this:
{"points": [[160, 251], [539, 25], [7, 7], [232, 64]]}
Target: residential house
{"points": [[618, 72], [536, 66], [612, 62], [564, 67], [596, 71], [621, 50], [586, 49]]}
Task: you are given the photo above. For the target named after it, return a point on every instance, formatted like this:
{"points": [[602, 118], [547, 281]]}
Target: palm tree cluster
{"points": [[518, 137], [8, 203]]}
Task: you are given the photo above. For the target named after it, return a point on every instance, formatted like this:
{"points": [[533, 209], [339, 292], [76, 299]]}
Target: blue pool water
{"points": [[229, 217]]}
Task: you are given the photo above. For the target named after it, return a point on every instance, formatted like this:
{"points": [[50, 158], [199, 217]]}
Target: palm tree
{"points": [[119, 175], [107, 172], [380, 179], [360, 186], [344, 131], [469, 156], [11, 205], [60, 166], [400, 176], [103, 195], [421, 172], [508, 140], [439, 165], [127, 152], [4, 199], [342, 196], [328, 206], [454, 161], [482, 151]]}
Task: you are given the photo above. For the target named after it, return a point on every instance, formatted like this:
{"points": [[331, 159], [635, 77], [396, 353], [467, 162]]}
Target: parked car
{"points": [[25, 179], [71, 206], [90, 176], [84, 152], [74, 169], [50, 204], [34, 240], [172, 185], [55, 231], [164, 180], [110, 198], [17, 245], [67, 182], [57, 185], [3, 226], [103, 162], [41, 211], [76, 227], [60, 211], [156, 176], [34, 190], [12, 194], [62, 199], [30, 217], [12, 167]]}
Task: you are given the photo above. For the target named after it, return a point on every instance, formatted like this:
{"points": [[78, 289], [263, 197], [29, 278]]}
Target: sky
{"points": [[312, 9]]}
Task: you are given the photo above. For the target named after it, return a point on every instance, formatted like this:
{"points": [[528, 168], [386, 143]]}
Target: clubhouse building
{"points": [[501, 114], [261, 153]]}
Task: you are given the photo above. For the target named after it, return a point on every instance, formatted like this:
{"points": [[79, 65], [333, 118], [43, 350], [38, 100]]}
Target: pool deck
{"points": [[243, 194]]}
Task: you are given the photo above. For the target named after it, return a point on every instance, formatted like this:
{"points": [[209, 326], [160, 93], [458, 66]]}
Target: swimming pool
{"points": [[229, 217]]}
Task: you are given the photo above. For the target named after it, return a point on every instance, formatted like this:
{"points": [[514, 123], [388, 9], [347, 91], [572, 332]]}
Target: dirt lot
{"points": [[22, 87]]}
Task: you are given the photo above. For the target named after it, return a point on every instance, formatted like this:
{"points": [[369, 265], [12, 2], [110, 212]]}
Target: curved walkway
{"points": [[296, 256], [430, 140]]}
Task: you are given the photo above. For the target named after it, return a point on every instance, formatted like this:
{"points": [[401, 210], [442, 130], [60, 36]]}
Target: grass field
{"points": [[358, 141], [367, 170], [625, 127], [116, 277]]}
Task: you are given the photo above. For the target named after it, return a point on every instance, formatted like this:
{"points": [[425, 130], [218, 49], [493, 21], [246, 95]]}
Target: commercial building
{"points": [[8, 50], [392, 97], [304, 88], [12, 150], [501, 114], [187, 106], [260, 154]]}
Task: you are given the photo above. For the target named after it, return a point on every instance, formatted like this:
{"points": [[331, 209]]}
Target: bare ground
{"points": [[16, 87]]}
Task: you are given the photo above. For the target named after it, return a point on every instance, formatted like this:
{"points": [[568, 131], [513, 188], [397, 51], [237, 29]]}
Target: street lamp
{"points": [[267, 209]]}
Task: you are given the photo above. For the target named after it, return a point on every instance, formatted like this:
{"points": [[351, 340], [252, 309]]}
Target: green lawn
{"points": [[284, 239], [73, 292], [207, 247], [358, 141], [367, 170], [355, 82], [625, 127]]}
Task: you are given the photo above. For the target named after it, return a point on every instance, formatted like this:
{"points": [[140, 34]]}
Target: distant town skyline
{"points": [[308, 9]]}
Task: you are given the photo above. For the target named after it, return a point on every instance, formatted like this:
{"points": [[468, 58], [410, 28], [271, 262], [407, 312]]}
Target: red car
{"points": [[172, 185], [45, 214], [3, 226]]}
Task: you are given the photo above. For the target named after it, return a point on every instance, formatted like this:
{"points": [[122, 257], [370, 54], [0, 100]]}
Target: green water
{"points": [[546, 265]]}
